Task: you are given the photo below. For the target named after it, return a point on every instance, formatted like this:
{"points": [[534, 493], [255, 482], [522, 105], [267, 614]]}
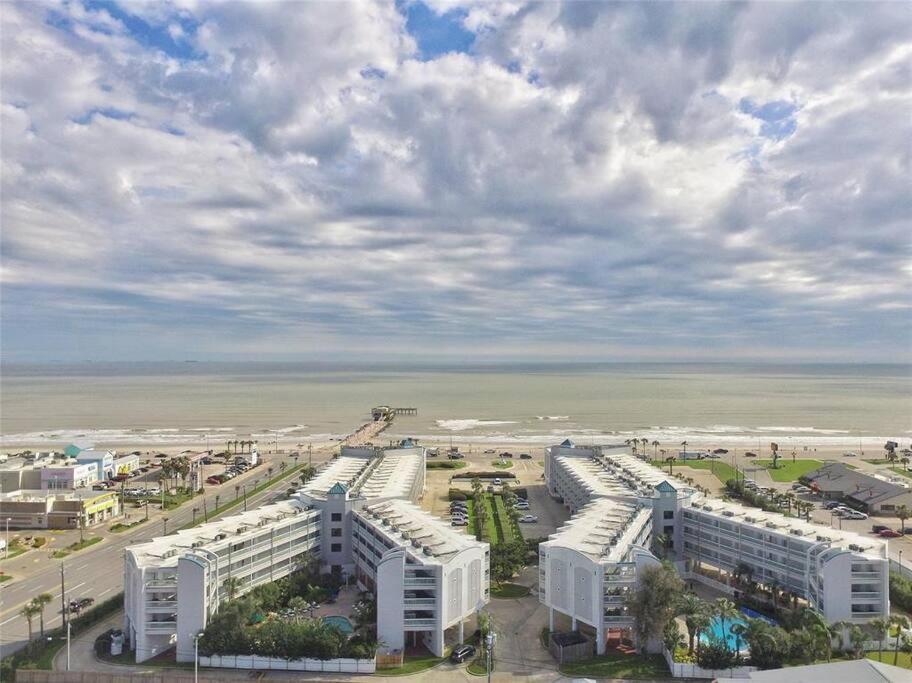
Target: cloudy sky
{"points": [[456, 179]]}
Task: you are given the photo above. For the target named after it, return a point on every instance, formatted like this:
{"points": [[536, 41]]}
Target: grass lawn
{"points": [[412, 665], [789, 471], [477, 667], [905, 473], [619, 666], [503, 524], [502, 465], [447, 465], [75, 547], [5, 577], [509, 590], [904, 661], [722, 470]]}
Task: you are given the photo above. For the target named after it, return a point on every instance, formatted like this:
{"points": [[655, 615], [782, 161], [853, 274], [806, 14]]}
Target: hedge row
{"points": [[484, 475]]}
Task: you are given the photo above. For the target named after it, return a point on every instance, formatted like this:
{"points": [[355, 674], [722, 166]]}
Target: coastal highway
{"points": [[97, 571]]}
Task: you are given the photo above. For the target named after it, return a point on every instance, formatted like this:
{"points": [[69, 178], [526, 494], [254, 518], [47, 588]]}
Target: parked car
{"points": [[497, 482], [521, 505], [506, 454], [528, 519], [829, 505], [877, 528], [456, 456], [889, 533], [490, 451], [461, 653], [460, 522], [750, 455], [855, 514], [850, 455], [525, 456]]}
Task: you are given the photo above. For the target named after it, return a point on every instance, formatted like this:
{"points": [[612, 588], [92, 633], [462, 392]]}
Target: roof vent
{"points": [[728, 513], [427, 551], [749, 518]]}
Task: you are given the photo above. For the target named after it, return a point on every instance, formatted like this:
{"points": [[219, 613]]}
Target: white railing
{"points": [[360, 666], [683, 670]]}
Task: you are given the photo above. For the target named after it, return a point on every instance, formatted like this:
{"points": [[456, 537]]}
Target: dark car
{"points": [[889, 533], [506, 454], [831, 504], [877, 528], [525, 456], [461, 653]]}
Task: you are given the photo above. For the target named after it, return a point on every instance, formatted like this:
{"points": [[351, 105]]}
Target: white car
{"points": [[528, 519], [850, 455], [460, 522], [855, 514], [497, 482], [490, 451], [521, 505]]}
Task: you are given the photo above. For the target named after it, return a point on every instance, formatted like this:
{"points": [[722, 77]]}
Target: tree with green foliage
{"points": [[654, 602], [768, 644], [41, 601], [716, 655], [899, 622], [232, 584], [857, 637], [902, 514], [695, 612], [724, 609], [671, 636], [30, 610], [879, 627]]}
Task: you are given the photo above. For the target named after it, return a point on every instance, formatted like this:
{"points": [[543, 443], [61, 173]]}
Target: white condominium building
{"points": [[174, 584], [589, 566], [619, 502], [427, 576]]}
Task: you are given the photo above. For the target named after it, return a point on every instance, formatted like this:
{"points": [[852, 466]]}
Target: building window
{"points": [[335, 533], [336, 548], [336, 517], [668, 514]]}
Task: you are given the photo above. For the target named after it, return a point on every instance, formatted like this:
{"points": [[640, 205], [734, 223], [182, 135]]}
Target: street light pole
{"points": [[490, 639], [68, 646], [6, 548], [900, 563], [196, 656]]}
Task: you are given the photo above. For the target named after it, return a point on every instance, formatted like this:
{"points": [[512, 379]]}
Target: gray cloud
{"points": [[587, 178]]}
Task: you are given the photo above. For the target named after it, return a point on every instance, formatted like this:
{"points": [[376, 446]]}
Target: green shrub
{"points": [[901, 591], [38, 541], [714, 655], [456, 494], [484, 475]]}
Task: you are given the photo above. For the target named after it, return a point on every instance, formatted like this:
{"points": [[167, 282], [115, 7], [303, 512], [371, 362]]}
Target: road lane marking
{"points": [[105, 592]]}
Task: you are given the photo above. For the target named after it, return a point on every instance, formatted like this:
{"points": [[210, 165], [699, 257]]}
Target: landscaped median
{"points": [[75, 547]]}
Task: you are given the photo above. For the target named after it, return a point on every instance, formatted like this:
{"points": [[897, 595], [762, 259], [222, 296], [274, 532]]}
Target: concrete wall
{"points": [[390, 612], [360, 666]]}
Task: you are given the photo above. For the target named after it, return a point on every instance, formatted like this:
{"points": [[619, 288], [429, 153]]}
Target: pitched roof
{"points": [[665, 487], [337, 488], [855, 671]]}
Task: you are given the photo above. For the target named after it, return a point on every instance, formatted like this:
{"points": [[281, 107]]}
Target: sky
{"points": [[459, 180]]}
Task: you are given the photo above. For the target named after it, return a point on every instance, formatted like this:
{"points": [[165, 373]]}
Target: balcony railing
{"points": [[161, 604], [420, 622], [431, 602], [416, 581], [866, 595], [866, 575], [161, 626], [166, 583]]}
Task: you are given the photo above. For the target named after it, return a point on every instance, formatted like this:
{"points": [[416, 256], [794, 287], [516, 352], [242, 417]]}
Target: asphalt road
{"points": [[97, 571]]}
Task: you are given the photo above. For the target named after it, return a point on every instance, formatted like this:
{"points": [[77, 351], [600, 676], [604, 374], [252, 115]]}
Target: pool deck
{"points": [[343, 605]]}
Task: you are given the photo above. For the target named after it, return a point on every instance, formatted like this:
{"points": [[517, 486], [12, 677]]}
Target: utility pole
{"points": [[490, 639], [310, 454], [63, 604]]}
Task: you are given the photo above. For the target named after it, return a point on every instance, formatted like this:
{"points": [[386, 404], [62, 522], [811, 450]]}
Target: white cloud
{"points": [[586, 167]]}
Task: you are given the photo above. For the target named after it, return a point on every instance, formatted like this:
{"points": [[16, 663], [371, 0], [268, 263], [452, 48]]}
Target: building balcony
{"points": [[415, 624], [161, 626], [162, 584], [419, 581], [161, 604], [869, 595], [420, 602], [865, 575]]}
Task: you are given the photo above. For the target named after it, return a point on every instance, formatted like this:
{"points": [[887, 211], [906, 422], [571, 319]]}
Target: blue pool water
{"points": [[718, 632], [341, 623]]}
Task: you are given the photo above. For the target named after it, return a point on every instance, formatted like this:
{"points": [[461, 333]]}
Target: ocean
{"points": [[186, 403]]}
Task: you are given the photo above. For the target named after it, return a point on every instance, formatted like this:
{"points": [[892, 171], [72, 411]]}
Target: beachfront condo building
{"points": [[174, 584], [621, 505]]}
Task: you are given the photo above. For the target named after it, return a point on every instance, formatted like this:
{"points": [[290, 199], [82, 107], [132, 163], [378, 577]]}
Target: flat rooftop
{"points": [[427, 538], [594, 477], [165, 551], [798, 528], [603, 530], [394, 474], [342, 470]]}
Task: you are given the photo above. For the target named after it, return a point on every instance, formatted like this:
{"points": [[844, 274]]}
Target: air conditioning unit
{"points": [[427, 551], [728, 513]]}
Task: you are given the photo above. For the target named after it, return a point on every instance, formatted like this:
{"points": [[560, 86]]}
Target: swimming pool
{"points": [[724, 633], [340, 623]]}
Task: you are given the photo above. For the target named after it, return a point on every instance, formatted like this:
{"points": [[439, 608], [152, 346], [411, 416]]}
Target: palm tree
{"points": [[691, 607], [684, 444], [41, 600], [725, 609], [738, 630], [670, 460], [858, 638], [655, 449], [900, 622], [237, 491], [283, 466], [880, 628], [30, 610], [902, 514], [232, 583]]}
